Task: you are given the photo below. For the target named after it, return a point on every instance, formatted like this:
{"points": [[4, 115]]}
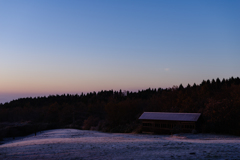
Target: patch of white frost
{"points": [[81, 144]]}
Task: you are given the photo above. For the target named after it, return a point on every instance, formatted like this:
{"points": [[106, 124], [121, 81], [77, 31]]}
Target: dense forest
{"points": [[117, 111]]}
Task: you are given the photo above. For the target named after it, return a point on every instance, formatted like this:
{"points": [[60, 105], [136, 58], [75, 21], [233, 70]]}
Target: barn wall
{"points": [[158, 126]]}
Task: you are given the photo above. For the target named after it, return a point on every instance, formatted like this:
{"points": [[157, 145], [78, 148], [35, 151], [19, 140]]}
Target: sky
{"points": [[56, 47]]}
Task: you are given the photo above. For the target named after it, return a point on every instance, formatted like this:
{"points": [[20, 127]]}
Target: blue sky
{"points": [[56, 47]]}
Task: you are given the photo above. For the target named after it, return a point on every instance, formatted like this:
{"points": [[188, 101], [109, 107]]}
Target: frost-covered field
{"points": [[79, 144]]}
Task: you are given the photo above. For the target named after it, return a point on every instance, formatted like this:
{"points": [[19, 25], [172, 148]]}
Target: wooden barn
{"points": [[169, 122]]}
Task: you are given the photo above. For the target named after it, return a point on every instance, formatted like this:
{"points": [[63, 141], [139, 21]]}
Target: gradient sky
{"points": [[55, 47]]}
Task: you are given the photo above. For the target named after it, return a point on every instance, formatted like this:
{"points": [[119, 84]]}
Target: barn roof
{"points": [[170, 116]]}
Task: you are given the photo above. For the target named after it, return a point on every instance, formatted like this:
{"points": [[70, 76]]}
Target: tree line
{"points": [[117, 111]]}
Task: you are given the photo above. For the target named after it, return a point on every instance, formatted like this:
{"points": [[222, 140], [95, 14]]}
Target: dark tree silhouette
{"points": [[113, 111]]}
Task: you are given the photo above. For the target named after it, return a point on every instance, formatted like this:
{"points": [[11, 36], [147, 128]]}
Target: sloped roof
{"points": [[170, 116]]}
